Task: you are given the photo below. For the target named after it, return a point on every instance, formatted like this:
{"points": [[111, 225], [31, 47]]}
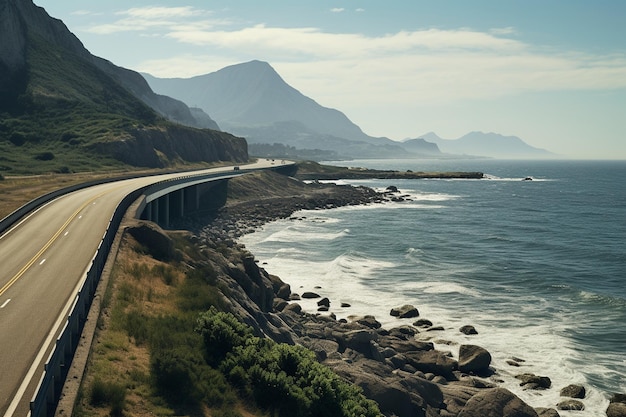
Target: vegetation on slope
{"points": [[70, 116], [166, 346]]}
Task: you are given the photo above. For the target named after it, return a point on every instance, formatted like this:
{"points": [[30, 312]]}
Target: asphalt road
{"points": [[42, 262]]}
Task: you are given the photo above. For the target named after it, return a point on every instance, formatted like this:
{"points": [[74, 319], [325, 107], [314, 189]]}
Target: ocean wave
{"points": [[290, 235]]}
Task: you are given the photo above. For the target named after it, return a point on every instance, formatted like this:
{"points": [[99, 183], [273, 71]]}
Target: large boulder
{"points": [[474, 359], [468, 330], [400, 395], [405, 312], [617, 406], [496, 402], [573, 391], [571, 405], [154, 239], [432, 361]]}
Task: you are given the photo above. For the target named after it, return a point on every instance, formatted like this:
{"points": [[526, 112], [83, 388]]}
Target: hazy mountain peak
{"points": [[254, 94]]}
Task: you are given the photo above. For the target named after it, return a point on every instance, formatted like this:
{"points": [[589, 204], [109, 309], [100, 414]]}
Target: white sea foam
{"points": [[510, 323], [353, 279]]}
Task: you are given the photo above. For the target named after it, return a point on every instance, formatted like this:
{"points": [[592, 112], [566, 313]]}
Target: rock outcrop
{"points": [[399, 368], [158, 147]]}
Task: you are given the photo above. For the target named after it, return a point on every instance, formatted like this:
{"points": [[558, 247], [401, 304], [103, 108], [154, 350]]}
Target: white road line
{"points": [[5, 303], [42, 261]]}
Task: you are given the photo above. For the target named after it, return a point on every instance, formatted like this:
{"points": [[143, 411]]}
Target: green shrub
{"points": [[178, 374], [137, 326], [108, 394], [285, 380], [45, 156], [221, 332], [197, 292]]}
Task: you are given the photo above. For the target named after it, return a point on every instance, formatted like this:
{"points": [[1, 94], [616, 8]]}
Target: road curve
{"points": [[43, 259]]}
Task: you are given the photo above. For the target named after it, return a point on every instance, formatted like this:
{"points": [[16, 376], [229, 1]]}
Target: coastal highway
{"points": [[43, 259]]}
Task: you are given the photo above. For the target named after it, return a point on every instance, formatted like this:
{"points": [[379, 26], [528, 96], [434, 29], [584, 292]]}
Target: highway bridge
{"points": [[48, 256]]}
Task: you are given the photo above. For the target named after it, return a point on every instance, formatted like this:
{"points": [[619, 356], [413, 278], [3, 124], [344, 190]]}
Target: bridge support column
{"points": [[191, 198], [164, 210], [177, 204], [154, 206]]}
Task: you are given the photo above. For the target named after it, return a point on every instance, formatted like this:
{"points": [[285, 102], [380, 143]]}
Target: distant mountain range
{"points": [[253, 101], [491, 145]]}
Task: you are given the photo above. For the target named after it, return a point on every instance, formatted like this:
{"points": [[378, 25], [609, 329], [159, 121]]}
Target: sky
{"points": [[550, 72]]}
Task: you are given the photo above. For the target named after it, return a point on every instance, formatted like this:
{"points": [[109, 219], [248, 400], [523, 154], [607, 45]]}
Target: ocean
{"points": [[537, 267]]}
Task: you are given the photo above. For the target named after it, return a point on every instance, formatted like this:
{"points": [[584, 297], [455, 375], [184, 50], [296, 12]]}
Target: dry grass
{"points": [[115, 357], [138, 283]]}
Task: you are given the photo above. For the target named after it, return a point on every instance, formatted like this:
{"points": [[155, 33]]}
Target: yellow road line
{"points": [[50, 242]]}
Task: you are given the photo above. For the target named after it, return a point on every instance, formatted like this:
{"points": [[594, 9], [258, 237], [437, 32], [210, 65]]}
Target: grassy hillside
{"points": [[69, 116], [66, 106]]}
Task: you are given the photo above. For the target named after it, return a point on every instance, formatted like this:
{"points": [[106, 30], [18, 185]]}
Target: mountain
{"points": [[63, 109], [422, 146], [252, 100], [491, 145]]}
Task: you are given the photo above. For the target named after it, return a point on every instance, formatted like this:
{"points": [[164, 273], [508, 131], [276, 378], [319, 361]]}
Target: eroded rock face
{"points": [[155, 147]]}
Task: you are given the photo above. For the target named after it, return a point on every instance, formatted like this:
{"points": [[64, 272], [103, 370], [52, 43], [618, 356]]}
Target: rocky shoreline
{"points": [[399, 368]]}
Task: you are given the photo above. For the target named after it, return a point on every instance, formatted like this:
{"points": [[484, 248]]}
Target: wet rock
{"points": [[531, 381], [324, 302], [345, 305], [435, 329], [423, 323], [573, 391], [547, 412], [468, 330], [405, 312], [571, 405], [474, 359], [309, 294], [617, 406]]}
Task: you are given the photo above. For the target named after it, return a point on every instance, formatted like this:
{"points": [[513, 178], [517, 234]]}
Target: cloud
{"points": [[429, 65], [337, 9], [154, 18]]}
